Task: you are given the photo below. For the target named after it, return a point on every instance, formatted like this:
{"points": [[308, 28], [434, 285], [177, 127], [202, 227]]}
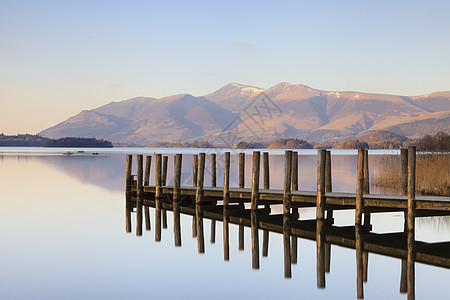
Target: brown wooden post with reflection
{"points": [[194, 183], [404, 170], [286, 212], [176, 199], [329, 219], [320, 198], [359, 201], [320, 250], [241, 186], [359, 262], [139, 218], [148, 225], [366, 188], [198, 202], [148, 163], [164, 183], [213, 184], [158, 180], [226, 200], [254, 207], [411, 253], [128, 180], [266, 179]]}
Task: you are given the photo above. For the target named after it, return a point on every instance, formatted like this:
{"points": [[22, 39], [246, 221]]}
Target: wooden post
{"points": [[139, 218], [365, 265], [241, 237], [328, 183], [164, 171], [255, 240], [295, 171], [286, 245], [148, 163], [320, 199], [128, 179], [403, 283], [241, 170], [287, 182], [404, 165], [140, 174], [128, 208], [366, 190], [327, 257], [266, 170], [194, 169], [359, 262], [410, 259], [164, 183], [320, 247], [213, 184], [226, 200], [255, 181], [176, 199], [294, 241], [265, 251], [198, 202], [148, 225], [158, 180], [359, 205], [411, 187]]}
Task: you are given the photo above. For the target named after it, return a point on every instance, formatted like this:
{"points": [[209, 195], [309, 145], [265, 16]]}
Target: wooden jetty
{"points": [[228, 204]]}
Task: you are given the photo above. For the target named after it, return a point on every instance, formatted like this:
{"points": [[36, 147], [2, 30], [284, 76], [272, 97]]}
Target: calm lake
{"points": [[63, 235]]}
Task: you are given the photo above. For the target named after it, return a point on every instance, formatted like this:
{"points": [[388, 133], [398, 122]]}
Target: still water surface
{"points": [[63, 236]]}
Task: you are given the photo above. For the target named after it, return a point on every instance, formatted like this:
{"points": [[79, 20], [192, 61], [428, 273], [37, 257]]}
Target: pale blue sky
{"points": [[60, 57]]}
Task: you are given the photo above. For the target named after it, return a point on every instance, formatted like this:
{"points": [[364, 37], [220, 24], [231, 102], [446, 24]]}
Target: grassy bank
{"points": [[432, 174]]}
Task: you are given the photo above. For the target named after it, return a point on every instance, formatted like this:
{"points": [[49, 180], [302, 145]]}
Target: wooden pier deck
{"points": [[228, 204]]}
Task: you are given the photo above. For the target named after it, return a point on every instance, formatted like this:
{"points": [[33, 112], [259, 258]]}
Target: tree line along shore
{"points": [[371, 140], [29, 140]]}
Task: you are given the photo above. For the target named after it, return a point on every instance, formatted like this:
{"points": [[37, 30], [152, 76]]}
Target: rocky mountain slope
{"points": [[239, 112]]}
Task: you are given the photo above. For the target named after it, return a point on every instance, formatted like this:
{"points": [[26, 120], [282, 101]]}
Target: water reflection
{"points": [[398, 245]]}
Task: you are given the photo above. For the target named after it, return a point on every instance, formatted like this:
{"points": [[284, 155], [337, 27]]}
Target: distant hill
{"points": [[240, 113], [28, 140]]}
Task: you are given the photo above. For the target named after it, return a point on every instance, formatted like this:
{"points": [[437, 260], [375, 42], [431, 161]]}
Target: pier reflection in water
{"points": [[292, 228]]}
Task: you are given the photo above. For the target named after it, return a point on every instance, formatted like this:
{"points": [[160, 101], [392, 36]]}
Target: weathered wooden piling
{"points": [[359, 262], [226, 200], [128, 209], [403, 283], [294, 171], [404, 166], [164, 183], [140, 174], [328, 182], [265, 251], [176, 199], [286, 247], [266, 176], [148, 164], [198, 202], [129, 178], [255, 239], [411, 188], [320, 248], [148, 225], [158, 200], [241, 170], [287, 182], [255, 180], [359, 201], [213, 184], [241, 246], [411, 255], [139, 218], [320, 198], [194, 169], [294, 241], [366, 190]]}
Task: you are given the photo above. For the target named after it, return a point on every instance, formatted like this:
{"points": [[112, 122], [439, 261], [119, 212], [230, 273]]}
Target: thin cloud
{"points": [[115, 85], [240, 44]]}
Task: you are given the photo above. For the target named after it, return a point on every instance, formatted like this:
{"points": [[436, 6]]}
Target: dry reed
{"points": [[432, 174]]}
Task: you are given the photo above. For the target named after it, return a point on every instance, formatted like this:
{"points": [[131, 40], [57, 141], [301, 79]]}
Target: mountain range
{"points": [[239, 112]]}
